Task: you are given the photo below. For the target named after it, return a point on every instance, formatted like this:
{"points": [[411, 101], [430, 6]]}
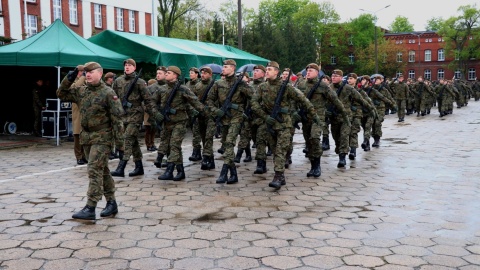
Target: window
{"points": [[427, 74], [411, 74], [31, 25], [440, 74], [97, 14], [441, 55], [472, 74], [350, 40], [131, 21], [398, 74], [399, 57], [72, 4], [333, 60], [458, 74], [351, 58], [428, 55], [120, 19], [57, 9], [411, 56]]}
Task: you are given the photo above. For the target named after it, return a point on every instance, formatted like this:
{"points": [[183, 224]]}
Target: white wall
{"points": [[16, 28]]}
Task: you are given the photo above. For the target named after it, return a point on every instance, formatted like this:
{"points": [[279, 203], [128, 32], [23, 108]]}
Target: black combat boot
{"points": [[205, 161], [196, 155], [317, 170], [269, 151], [312, 166], [158, 161], [211, 163], [261, 167], [223, 175], [180, 173], [221, 150], [238, 156], [278, 180], [120, 171], [376, 142], [110, 209], [325, 143], [341, 160], [87, 213], [168, 174], [353, 153], [111, 155], [138, 170], [233, 175], [364, 143], [248, 155]]}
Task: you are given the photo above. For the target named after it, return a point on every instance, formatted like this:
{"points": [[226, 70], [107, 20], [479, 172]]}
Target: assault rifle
{"points": [[331, 110], [204, 97], [166, 111], [302, 112], [277, 108], [227, 104], [126, 105]]}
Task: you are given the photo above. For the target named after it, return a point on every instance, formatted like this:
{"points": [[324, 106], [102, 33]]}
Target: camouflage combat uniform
{"points": [[401, 96], [38, 104]]}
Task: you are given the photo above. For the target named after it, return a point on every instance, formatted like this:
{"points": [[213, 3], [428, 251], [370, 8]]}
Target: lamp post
{"points": [[376, 47]]}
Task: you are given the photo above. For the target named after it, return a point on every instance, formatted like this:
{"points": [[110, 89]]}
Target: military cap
{"points": [[230, 62], [337, 72], [175, 69], [273, 64], [206, 70], [194, 69], [109, 75], [89, 66], [151, 81], [366, 77], [130, 61], [261, 67], [163, 68], [377, 77], [80, 67], [313, 65], [353, 75]]}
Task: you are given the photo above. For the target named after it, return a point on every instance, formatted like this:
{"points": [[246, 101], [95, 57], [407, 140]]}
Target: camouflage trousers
{"points": [[354, 130], [196, 137], [326, 127], [37, 121], [367, 123], [232, 131], [280, 144], [411, 104], [100, 181], [401, 107], [377, 124], [206, 128], [311, 134], [290, 144], [163, 147], [341, 135], [245, 135], [262, 140], [420, 104], [174, 135], [132, 146]]}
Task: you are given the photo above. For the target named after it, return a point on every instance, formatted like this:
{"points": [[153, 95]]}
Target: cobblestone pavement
{"points": [[413, 203]]}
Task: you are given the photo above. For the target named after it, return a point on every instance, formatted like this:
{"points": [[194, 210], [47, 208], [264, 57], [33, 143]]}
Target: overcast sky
{"points": [[418, 12]]}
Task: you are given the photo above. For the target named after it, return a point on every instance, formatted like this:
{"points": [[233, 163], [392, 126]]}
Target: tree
{"points": [[434, 24], [401, 25], [171, 10]]}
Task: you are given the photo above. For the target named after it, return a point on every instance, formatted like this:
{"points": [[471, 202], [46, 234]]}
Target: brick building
{"points": [[427, 56], [84, 17]]}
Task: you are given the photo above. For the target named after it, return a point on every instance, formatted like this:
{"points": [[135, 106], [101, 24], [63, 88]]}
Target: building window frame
{"points": [[120, 19], [31, 25], [57, 9], [399, 57], [441, 54], [472, 74], [97, 14], [333, 60], [411, 56], [411, 74], [131, 21], [427, 74], [428, 56], [458, 74], [73, 11], [440, 73], [351, 58]]}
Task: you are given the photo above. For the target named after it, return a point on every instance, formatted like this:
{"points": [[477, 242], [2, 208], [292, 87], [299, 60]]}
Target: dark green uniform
{"points": [[401, 96]]}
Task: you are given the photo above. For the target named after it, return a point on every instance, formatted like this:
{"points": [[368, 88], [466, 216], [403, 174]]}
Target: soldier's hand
{"points": [[72, 75], [316, 119], [270, 120], [159, 117], [373, 113], [296, 117], [346, 120], [194, 113], [219, 113]]}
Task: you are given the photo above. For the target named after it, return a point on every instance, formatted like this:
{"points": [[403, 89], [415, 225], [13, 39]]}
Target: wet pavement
{"points": [[412, 204]]}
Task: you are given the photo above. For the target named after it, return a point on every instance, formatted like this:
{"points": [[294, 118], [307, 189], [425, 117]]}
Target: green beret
{"points": [[194, 69], [230, 62], [109, 75], [261, 67], [162, 68], [130, 61], [91, 66], [338, 72], [175, 69], [273, 64], [206, 70], [314, 66]]}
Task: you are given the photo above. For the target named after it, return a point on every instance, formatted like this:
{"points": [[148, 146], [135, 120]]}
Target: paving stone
{"points": [[193, 263], [238, 263], [173, 253], [282, 262], [24, 263], [256, 252], [52, 253], [362, 260]]}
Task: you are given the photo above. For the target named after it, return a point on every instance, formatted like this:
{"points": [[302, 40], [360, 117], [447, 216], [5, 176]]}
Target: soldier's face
{"points": [[336, 78], [228, 70], [171, 76], [94, 76], [285, 75], [258, 73], [205, 75], [272, 73], [352, 81], [193, 75], [160, 75], [311, 73], [129, 68]]}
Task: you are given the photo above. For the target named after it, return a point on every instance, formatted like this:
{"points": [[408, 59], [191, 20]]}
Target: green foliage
{"points": [[434, 24], [401, 25]]}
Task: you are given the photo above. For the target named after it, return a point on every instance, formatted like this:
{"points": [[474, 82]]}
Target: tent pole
{"points": [[57, 126]]}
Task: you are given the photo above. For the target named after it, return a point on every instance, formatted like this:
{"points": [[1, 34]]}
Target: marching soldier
{"points": [[379, 100], [196, 138], [401, 95], [421, 89]]}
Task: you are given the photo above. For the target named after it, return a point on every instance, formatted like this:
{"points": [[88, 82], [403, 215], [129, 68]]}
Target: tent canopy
{"points": [[57, 45], [164, 51]]}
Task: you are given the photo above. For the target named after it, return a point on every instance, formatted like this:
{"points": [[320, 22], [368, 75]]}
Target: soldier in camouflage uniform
{"points": [[376, 94], [326, 125], [205, 123], [101, 113], [411, 97], [133, 117], [161, 85], [230, 123], [175, 120], [196, 138], [421, 90], [445, 95], [38, 107], [321, 95], [401, 95], [366, 120], [264, 102], [340, 127]]}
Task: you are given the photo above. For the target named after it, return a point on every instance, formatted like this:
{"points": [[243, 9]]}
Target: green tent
{"points": [[58, 46]]}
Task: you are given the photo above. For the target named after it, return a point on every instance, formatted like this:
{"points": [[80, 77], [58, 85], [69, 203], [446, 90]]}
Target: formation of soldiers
{"points": [[264, 113]]}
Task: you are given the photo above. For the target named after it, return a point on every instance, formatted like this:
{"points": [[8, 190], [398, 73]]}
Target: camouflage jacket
{"points": [[378, 99], [256, 120], [421, 90], [180, 102], [219, 92], [442, 90], [200, 89], [264, 101], [100, 111], [401, 90], [139, 98], [191, 84], [347, 96], [359, 113], [38, 101], [321, 97]]}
